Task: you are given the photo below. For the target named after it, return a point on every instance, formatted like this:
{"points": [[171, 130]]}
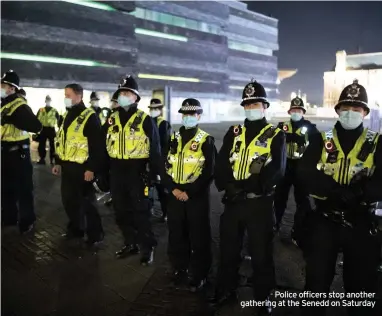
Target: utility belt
{"points": [[242, 196], [368, 215], [21, 147]]}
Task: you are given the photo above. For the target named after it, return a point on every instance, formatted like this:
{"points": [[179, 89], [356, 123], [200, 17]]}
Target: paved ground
{"points": [[45, 275]]}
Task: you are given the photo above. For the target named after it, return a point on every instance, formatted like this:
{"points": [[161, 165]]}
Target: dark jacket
{"points": [[164, 134], [205, 179], [96, 139], [270, 174], [23, 118]]}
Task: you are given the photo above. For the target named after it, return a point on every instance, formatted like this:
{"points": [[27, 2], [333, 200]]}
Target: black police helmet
{"points": [[354, 95], [155, 104], [114, 98], [191, 106], [254, 92], [94, 96], [129, 83], [297, 103], [11, 78]]}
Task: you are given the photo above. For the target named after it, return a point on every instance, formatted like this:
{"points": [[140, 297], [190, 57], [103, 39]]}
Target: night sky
{"points": [[310, 33]]}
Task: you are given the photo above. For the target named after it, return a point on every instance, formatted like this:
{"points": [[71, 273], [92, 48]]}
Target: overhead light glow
{"points": [[92, 4], [55, 60], [158, 77], [160, 34]]}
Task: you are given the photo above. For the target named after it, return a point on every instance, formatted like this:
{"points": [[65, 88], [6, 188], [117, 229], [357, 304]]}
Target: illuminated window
{"points": [[160, 34], [92, 4], [175, 20], [171, 78], [249, 48], [56, 60]]}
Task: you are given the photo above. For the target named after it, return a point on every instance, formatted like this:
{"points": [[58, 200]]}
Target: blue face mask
{"points": [[68, 103], [295, 117], [3, 93], [189, 121], [254, 114], [125, 101], [350, 119]]}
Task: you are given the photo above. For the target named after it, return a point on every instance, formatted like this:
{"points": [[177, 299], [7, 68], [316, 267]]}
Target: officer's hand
{"points": [[176, 193], [89, 175], [56, 170], [183, 197]]}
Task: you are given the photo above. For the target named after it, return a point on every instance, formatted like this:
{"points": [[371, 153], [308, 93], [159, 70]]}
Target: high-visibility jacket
{"points": [[343, 168], [47, 119], [130, 141], [9, 132], [294, 151], [73, 146], [242, 156], [186, 165]]}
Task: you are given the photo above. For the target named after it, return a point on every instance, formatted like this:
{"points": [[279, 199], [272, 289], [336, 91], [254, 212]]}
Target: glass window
{"points": [[191, 24], [178, 21]]}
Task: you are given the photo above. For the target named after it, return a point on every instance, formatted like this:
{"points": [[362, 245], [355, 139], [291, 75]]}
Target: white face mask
{"points": [[47, 103], [3, 93], [95, 104], [154, 113], [350, 119], [254, 114], [295, 117], [68, 103]]}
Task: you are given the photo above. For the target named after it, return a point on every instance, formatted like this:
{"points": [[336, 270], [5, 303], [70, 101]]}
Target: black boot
{"points": [[127, 250], [197, 284], [147, 257], [179, 277], [223, 298], [41, 162]]}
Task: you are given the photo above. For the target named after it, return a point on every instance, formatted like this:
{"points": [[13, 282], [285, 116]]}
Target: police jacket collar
{"points": [[254, 124], [187, 134], [9, 98], [80, 106], [348, 138]]}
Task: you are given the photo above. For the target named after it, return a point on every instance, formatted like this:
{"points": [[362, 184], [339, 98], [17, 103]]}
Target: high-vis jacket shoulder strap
{"points": [[368, 145], [14, 105], [268, 132]]}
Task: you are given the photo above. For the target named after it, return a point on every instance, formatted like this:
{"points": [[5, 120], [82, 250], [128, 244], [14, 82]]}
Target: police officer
{"points": [[164, 127], [94, 101], [80, 151], [49, 117], [250, 163], [342, 170], [297, 131], [189, 165], [132, 143], [17, 119]]}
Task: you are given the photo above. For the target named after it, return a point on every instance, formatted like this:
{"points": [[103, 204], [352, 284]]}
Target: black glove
{"points": [[347, 195], [289, 137]]}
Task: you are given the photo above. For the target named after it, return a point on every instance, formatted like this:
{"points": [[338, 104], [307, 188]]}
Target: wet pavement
{"points": [[43, 274]]}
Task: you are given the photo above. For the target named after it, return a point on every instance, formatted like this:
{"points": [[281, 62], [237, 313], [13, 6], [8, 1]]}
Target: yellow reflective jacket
{"points": [[186, 165], [130, 141], [342, 169], [242, 156], [47, 119], [294, 151], [73, 146], [9, 132]]}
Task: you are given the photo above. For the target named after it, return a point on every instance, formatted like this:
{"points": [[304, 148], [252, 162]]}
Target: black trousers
{"points": [[189, 241], [17, 200], [78, 198], [361, 253], [46, 133], [131, 206], [300, 196], [255, 216], [162, 196]]}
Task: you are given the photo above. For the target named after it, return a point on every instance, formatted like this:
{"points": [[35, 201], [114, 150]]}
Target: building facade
{"points": [[366, 68], [203, 49]]}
